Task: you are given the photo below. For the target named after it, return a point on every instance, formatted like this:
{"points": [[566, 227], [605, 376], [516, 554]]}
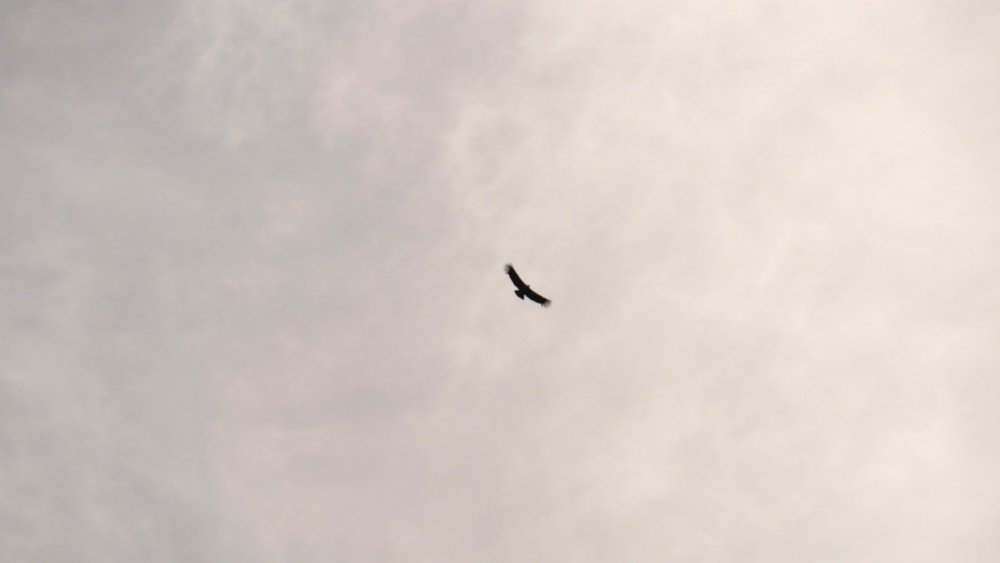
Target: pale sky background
{"points": [[253, 305]]}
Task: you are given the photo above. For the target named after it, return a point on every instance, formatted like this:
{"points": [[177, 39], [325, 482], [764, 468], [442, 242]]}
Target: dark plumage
{"points": [[524, 290]]}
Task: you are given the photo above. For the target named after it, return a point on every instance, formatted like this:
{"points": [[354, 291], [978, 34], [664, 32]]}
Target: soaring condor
{"points": [[524, 290]]}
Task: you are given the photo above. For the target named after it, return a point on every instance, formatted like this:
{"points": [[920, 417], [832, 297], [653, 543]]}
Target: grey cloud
{"points": [[254, 307]]}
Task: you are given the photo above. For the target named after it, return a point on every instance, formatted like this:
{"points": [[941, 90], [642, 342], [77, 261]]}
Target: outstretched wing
{"points": [[530, 294], [516, 279]]}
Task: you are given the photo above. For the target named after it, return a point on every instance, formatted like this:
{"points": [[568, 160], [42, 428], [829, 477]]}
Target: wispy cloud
{"points": [[254, 306]]}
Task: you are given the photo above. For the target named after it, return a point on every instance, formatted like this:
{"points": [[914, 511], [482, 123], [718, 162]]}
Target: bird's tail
{"points": [[519, 294]]}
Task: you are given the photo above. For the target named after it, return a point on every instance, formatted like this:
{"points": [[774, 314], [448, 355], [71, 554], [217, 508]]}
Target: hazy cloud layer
{"points": [[253, 305]]}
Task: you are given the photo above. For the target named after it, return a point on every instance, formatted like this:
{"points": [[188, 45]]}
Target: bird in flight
{"points": [[524, 289]]}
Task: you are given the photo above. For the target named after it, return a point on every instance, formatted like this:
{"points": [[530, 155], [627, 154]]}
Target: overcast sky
{"points": [[253, 307]]}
